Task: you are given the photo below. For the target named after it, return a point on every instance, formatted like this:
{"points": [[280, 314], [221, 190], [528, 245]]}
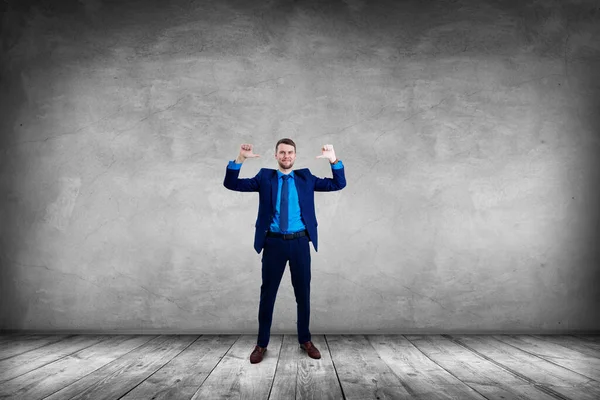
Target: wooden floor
{"points": [[352, 367]]}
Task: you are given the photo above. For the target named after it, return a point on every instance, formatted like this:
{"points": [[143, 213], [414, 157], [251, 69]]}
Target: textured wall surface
{"points": [[469, 131]]}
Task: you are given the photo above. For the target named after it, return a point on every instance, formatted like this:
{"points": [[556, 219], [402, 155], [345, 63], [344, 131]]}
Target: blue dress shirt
{"points": [[295, 223]]}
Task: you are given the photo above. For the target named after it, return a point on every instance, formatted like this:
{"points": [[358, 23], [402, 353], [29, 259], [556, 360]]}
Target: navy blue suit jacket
{"points": [[265, 183]]}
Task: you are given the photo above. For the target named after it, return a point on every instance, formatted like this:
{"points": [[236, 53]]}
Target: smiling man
{"points": [[285, 225]]}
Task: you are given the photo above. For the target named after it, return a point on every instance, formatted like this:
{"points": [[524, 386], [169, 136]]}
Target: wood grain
{"points": [[55, 376], [546, 375], [235, 377], [592, 341], [120, 376], [421, 376], [362, 374], [574, 343], [300, 377], [584, 363], [27, 343], [30, 360], [184, 374], [427, 367], [484, 376]]}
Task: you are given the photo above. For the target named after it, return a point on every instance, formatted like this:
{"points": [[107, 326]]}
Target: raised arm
{"points": [[338, 182], [232, 182]]}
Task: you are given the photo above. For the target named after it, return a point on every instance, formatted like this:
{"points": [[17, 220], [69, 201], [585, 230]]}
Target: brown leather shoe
{"points": [[312, 351], [257, 354]]}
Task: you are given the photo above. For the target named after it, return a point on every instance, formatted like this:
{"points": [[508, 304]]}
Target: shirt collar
{"points": [[280, 174]]}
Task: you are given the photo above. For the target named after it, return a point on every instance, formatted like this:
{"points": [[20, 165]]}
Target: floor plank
{"points": [[427, 367], [300, 377], [183, 375], [11, 337], [572, 343], [53, 377], [487, 378], [592, 341], [33, 359], [422, 377], [286, 372], [317, 379], [236, 377], [120, 376], [585, 364], [590, 338], [27, 343], [362, 374], [548, 376]]}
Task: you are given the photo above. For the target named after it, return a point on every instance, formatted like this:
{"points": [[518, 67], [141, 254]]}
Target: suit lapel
{"points": [[299, 182], [274, 190]]}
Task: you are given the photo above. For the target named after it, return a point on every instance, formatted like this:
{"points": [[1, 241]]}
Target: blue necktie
{"points": [[283, 205]]}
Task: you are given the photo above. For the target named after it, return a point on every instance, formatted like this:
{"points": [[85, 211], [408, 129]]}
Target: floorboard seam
{"points": [[582, 342], [296, 382], [544, 359], [166, 338], [334, 368], [406, 387], [586, 337], [55, 360], [277, 365], [100, 367], [215, 366], [457, 378], [37, 348], [535, 384], [161, 367]]}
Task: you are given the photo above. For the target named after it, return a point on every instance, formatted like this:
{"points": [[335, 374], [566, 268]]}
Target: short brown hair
{"points": [[285, 141]]}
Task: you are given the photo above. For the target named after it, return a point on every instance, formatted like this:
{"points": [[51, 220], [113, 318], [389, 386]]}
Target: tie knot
{"points": [[285, 177]]}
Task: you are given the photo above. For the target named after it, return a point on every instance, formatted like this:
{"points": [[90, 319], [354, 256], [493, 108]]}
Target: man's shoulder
{"points": [[303, 173]]}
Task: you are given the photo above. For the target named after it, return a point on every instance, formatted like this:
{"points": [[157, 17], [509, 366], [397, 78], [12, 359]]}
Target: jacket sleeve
{"points": [[338, 182], [232, 182]]}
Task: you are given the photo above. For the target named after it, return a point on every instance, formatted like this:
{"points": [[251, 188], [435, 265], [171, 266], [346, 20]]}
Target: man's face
{"points": [[285, 155]]}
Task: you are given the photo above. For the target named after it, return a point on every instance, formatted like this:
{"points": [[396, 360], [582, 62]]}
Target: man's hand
{"points": [[328, 152], [245, 152]]}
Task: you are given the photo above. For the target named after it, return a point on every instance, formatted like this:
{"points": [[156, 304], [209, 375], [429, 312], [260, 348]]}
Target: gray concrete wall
{"points": [[469, 131]]}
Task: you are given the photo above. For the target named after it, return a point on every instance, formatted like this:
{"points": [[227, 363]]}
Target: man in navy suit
{"points": [[286, 223]]}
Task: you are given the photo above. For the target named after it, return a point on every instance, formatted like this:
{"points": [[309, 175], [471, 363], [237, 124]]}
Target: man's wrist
{"points": [[334, 161]]}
